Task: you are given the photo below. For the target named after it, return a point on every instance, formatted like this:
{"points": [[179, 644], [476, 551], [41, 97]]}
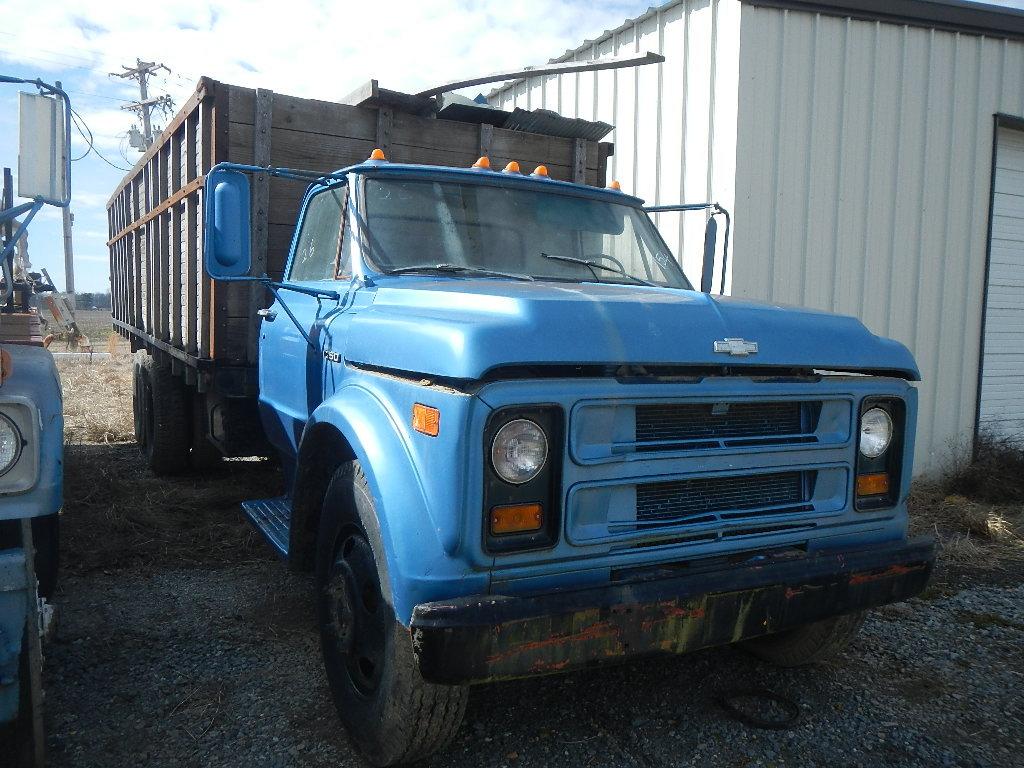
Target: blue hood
{"points": [[463, 328]]}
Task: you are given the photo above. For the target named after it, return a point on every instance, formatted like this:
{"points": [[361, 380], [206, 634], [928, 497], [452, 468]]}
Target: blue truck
{"points": [[516, 440], [31, 427]]}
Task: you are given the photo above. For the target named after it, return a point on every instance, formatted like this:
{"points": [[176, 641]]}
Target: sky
{"points": [[320, 50]]}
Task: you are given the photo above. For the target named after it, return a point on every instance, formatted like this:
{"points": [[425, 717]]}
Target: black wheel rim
{"points": [[357, 613]]}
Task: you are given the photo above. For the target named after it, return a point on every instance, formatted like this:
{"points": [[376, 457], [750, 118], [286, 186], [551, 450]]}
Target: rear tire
{"points": [[809, 644], [165, 418], [392, 714]]}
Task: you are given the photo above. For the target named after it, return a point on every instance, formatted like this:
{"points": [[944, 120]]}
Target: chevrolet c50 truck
{"points": [[516, 441]]}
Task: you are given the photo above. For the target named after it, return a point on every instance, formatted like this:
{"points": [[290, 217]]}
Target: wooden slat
{"points": [[181, 194], [262, 130], [220, 342], [307, 115], [385, 127], [206, 163], [579, 161], [192, 269]]}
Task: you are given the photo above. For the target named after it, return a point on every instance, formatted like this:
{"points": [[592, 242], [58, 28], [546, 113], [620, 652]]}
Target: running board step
{"points": [[272, 517]]}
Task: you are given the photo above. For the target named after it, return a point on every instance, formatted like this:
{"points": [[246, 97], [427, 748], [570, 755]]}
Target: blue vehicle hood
{"points": [[463, 328]]}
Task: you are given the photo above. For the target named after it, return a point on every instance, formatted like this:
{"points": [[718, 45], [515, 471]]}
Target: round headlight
{"points": [[519, 451], [10, 444], [875, 432]]}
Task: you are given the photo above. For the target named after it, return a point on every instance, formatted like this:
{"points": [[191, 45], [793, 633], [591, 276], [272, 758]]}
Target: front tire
{"points": [[391, 713], [809, 644]]}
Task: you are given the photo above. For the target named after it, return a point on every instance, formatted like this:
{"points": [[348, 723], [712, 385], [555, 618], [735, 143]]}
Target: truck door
{"points": [[291, 368]]}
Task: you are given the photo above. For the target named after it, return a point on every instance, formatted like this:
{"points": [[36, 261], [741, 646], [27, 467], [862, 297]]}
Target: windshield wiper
{"points": [[596, 265], [457, 268]]}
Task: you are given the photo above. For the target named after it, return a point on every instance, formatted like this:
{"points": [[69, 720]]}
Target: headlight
{"points": [[10, 444], [875, 432], [519, 451]]}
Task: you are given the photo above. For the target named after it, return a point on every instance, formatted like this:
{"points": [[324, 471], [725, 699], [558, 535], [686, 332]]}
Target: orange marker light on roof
{"points": [[540, 170], [377, 154], [484, 163], [615, 185], [512, 167]]}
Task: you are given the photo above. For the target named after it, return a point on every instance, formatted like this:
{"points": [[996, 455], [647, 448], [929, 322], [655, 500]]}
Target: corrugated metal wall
{"points": [[863, 186], [675, 123]]}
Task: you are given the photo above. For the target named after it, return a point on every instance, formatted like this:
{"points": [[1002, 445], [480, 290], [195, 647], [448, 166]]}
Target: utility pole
{"points": [[142, 71], [69, 253]]}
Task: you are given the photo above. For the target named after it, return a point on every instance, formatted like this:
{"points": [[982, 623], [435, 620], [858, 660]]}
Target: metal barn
{"points": [[872, 152]]}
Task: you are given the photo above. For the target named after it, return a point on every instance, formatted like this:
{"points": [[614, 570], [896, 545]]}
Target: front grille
{"points": [[699, 425], [721, 498]]}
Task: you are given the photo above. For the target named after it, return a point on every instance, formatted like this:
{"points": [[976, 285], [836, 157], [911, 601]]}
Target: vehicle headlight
{"points": [[11, 442], [875, 432], [519, 451]]}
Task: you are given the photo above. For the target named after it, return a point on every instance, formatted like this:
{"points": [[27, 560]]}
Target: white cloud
{"points": [[303, 47]]}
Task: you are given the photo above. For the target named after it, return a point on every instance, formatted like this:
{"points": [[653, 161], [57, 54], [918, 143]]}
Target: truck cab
{"points": [[516, 441]]}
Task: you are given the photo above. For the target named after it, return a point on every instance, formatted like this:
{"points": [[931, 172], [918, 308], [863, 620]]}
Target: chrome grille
{"points": [[697, 425], [700, 500]]}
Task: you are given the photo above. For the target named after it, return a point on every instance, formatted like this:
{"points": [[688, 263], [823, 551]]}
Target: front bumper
{"points": [[486, 638]]}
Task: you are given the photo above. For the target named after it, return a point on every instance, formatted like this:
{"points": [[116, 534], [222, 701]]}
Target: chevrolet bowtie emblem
{"points": [[736, 347]]}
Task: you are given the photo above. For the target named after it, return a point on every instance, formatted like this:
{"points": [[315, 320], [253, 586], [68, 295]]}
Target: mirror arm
{"points": [[725, 245], [273, 287], [8, 251]]}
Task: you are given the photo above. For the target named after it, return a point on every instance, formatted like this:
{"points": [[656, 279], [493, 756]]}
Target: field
{"points": [[182, 641]]}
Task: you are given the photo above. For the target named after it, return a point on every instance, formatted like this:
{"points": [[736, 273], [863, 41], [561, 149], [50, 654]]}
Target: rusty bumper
{"points": [[486, 638]]}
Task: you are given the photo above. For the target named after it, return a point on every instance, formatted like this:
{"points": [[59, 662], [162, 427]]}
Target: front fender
{"points": [[420, 541]]}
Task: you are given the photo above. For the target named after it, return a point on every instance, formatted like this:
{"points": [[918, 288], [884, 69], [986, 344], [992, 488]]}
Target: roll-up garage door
{"points": [[1001, 399]]}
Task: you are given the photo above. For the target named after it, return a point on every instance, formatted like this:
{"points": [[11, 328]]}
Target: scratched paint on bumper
{"points": [[473, 640]]}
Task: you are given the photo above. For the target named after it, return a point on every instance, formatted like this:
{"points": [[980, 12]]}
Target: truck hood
{"points": [[463, 328]]}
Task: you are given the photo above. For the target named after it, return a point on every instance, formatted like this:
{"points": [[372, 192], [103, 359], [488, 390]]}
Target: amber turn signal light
{"points": [[426, 420], [516, 518], [873, 484]]}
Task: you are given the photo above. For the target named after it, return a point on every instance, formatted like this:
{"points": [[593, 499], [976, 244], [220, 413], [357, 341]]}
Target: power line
{"points": [[98, 96], [75, 118]]}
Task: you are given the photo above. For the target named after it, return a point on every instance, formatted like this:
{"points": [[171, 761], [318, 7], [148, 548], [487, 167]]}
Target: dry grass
{"points": [[972, 532], [97, 400], [116, 512]]}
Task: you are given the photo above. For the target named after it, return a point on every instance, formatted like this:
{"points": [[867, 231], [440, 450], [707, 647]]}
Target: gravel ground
{"points": [[181, 641], [218, 665]]}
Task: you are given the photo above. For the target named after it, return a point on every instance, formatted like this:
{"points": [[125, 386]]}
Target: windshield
{"points": [[464, 229]]}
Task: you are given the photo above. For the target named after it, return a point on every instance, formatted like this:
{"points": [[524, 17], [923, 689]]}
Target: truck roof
{"points": [[487, 175]]}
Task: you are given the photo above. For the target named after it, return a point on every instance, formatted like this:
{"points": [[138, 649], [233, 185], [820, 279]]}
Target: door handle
{"points": [[267, 314]]}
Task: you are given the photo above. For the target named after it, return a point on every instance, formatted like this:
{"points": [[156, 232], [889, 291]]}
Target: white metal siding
{"points": [[864, 159], [675, 123], [1001, 410]]}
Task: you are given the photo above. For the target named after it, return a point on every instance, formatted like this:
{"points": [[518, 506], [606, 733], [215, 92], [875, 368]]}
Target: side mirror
{"points": [[708, 268], [41, 150], [227, 251]]}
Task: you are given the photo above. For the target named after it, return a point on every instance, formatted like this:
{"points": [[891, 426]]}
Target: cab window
{"points": [[318, 246]]}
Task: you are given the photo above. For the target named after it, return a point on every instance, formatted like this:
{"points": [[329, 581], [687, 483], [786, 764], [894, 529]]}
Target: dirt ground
{"points": [[183, 642]]}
